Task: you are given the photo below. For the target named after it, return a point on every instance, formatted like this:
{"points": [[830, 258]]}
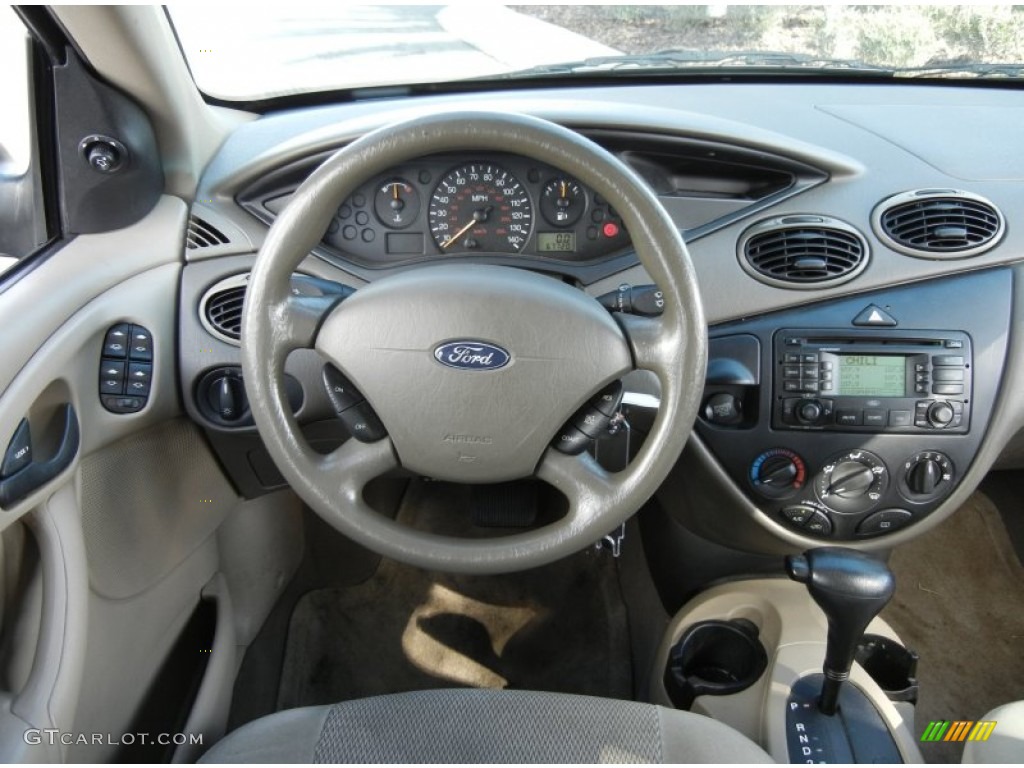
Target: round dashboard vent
{"points": [[803, 251], [938, 223], [220, 309]]}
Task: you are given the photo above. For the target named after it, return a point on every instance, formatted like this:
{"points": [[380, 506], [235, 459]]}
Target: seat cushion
{"points": [[1006, 743], [485, 726]]}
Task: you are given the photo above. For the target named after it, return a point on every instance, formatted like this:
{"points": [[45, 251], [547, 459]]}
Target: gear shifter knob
{"points": [[851, 588]]}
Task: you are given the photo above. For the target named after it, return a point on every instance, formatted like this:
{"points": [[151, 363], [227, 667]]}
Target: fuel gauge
{"points": [[562, 202], [396, 203]]}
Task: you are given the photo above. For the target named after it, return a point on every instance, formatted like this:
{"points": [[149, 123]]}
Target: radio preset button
{"points": [[948, 389], [791, 386], [849, 418], [900, 419], [955, 360], [874, 418], [948, 374], [808, 358], [826, 365], [920, 367], [791, 372], [921, 389], [791, 358]]}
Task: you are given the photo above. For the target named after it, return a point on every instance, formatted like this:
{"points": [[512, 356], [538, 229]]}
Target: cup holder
{"points": [[714, 658], [890, 665]]}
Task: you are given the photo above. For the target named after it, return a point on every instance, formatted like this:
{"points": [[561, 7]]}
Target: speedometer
{"points": [[480, 207]]}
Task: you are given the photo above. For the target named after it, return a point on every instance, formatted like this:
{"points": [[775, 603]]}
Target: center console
{"points": [[776, 702], [850, 419]]}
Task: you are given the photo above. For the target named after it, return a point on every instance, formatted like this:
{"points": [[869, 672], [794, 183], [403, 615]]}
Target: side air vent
{"points": [[803, 251], [938, 223], [220, 309], [202, 234]]}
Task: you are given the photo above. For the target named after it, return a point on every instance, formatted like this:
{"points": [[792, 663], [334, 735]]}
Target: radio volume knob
{"points": [[940, 414], [809, 411]]}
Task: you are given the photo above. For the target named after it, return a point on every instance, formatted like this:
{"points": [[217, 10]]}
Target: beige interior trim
{"points": [[793, 631]]}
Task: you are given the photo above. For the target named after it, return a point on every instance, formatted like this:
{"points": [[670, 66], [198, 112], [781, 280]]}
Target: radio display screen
{"points": [[872, 376]]}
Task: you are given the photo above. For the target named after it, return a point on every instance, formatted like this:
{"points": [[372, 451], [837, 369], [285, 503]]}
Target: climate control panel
{"points": [[852, 494]]}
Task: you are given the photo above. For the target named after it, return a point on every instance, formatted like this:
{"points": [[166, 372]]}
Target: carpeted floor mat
{"points": [[960, 604], [562, 627]]}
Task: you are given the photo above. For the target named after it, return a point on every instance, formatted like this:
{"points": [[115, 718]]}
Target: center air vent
{"points": [[938, 223], [803, 251]]}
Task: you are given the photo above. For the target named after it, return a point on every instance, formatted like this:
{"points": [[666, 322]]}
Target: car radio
{"points": [[872, 381]]}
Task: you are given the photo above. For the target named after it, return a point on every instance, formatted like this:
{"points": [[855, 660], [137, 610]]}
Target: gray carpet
{"points": [[960, 604], [561, 628]]}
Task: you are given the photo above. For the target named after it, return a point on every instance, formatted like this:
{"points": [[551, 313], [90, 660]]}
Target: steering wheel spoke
{"points": [[581, 480], [654, 346], [298, 319], [354, 464]]}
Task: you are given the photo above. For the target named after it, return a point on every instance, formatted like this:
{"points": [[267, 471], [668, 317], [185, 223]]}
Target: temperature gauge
{"points": [[396, 203], [562, 202]]}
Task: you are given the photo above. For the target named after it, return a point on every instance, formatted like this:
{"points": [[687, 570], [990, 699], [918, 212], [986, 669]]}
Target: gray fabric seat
{"points": [[485, 726]]}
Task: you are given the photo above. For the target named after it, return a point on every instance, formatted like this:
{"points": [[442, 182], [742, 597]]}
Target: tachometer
{"points": [[480, 207]]}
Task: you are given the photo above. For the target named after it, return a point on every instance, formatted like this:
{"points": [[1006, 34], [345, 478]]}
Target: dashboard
{"points": [[860, 280]]}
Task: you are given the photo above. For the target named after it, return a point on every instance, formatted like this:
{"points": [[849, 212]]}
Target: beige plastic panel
{"points": [[148, 502], [793, 631]]}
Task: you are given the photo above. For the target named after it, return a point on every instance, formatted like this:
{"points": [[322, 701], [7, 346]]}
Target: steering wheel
{"points": [[482, 423]]}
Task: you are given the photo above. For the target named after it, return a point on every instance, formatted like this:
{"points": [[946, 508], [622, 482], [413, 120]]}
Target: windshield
{"points": [[243, 54]]}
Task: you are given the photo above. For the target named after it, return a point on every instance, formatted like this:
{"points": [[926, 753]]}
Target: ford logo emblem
{"points": [[471, 355]]}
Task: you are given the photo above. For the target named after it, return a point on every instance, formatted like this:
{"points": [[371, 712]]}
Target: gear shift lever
{"points": [[851, 588]]}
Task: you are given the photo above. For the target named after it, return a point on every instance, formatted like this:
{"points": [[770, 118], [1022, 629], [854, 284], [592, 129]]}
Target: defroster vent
{"points": [[938, 223], [803, 251], [202, 234]]}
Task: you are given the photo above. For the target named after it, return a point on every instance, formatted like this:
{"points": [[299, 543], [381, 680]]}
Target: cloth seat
{"points": [[1006, 744], [485, 726]]}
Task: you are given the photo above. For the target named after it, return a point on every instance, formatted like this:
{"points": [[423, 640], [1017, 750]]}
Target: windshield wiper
{"points": [[673, 59], [966, 70]]}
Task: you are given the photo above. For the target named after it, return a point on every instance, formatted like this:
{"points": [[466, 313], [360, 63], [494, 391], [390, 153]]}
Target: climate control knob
{"points": [[853, 482], [778, 473]]}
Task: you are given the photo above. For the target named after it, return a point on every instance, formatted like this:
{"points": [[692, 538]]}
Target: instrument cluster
{"points": [[446, 206]]}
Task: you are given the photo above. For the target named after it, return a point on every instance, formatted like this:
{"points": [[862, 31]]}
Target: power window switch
{"points": [[117, 340], [140, 379], [112, 377], [19, 451], [141, 347]]}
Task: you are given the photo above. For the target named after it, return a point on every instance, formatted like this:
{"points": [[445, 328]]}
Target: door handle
{"points": [[38, 473]]}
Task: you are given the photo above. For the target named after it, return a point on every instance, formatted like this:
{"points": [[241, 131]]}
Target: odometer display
{"points": [[479, 208]]}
